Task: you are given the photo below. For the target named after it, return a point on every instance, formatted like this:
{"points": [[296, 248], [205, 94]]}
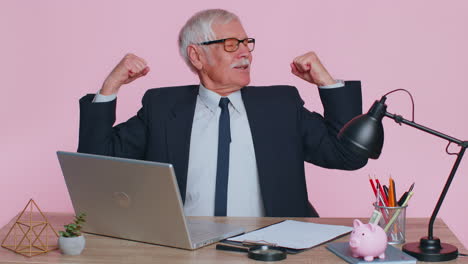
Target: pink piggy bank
{"points": [[368, 241]]}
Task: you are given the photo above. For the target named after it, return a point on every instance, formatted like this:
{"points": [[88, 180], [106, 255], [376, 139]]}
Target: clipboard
{"points": [[249, 244], [290, 235]]}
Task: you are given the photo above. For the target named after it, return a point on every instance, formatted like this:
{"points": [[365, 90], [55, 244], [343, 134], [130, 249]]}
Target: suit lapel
{"points": [[179, 130], [257, 113]]}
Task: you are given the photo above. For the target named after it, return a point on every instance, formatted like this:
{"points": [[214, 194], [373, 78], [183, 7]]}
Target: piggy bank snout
{"points": [[354, 242]]}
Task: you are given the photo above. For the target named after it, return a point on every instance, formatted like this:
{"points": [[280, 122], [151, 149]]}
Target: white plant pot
{"points": [[71, 245]]}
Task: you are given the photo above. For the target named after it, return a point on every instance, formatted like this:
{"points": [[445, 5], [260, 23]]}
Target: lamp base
{"points": [[431, 250]]}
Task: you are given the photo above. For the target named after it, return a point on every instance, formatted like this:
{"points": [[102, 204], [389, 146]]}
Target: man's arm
{"points": [[341, 103], [97, 134], [319, 133]]}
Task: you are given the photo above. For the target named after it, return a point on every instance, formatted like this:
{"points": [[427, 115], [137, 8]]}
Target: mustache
{"points": [[241, 62]]}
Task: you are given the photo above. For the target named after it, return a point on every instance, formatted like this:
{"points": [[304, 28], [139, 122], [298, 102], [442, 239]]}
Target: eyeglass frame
{"points": [[239, 41]]}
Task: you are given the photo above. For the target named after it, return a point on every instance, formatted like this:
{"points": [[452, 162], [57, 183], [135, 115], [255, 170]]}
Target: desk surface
{"points": [[108, 250]]}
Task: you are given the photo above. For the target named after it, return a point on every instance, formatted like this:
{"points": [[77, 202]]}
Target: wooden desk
{"points": [[108, 250]]}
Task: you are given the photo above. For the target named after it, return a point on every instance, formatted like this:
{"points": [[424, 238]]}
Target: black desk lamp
{"points": [[364, 134]]}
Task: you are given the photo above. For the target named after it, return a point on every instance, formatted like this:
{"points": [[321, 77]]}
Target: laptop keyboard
{"points": [[200, 231]]}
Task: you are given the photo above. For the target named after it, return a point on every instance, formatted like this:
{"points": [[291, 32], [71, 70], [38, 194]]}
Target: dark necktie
{"points": [[222, 169]]}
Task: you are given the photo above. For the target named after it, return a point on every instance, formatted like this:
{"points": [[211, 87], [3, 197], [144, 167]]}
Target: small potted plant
{"points": [[71, 241]]}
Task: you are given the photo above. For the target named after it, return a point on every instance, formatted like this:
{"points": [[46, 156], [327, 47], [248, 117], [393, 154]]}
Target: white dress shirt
{"points": [[244, 197]]}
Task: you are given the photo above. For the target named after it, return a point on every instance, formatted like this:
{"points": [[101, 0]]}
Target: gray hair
{"points": [[199, 29]]}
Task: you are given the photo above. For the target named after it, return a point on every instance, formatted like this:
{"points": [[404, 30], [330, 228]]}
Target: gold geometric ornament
{"points": [[31, 234]]}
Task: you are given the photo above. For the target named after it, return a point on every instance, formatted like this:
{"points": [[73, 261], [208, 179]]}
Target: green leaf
{"points": [[64, 234], [74, 229]]}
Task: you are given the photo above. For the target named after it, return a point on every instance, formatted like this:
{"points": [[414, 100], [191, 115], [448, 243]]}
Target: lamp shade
{"points": [[364, 134]]}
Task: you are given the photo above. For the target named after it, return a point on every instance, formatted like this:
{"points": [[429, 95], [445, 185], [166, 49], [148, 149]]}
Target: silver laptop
{"points": [[135, 200]]}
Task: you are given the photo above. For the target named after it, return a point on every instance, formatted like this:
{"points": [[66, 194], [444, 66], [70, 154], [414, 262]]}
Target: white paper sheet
{"points": [[295, 234]]}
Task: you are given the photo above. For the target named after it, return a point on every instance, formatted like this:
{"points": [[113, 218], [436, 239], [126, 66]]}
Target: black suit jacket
{"points": [[284, 133]]}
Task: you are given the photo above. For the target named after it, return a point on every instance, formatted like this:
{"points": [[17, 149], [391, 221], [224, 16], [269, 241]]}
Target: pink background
{"points": [[53, 52]]}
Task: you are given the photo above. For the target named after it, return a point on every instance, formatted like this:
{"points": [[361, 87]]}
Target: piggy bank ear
{"points": [[357, 223], [372, 227]]}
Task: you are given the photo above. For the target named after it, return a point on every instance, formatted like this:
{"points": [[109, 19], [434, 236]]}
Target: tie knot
{"points": [[223, 102]]}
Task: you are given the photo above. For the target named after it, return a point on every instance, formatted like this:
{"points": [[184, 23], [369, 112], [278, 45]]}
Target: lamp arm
{"points": [[463, 144], [444, 191], [399, 119]]}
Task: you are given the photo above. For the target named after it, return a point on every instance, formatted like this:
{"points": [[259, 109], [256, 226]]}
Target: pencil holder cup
{"points": [[393, 222]]}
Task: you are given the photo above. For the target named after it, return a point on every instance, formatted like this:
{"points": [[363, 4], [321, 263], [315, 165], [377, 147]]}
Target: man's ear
{"points": [[196, 56]]}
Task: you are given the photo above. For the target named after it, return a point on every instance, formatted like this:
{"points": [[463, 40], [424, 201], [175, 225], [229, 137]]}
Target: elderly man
{"points": [[237, 150]]}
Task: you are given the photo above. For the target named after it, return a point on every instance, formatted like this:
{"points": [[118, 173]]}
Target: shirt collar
{"points": [[211, 99]]}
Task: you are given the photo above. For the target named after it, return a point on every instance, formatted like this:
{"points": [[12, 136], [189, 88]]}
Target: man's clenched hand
{"points": [[130, 68], [308, 67]]}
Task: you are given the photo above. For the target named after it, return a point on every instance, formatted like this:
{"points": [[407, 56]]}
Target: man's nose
{"points": [[243, 50]]}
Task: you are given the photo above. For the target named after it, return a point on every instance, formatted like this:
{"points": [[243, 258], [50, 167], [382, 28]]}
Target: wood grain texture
{"points": [[103, 250]]}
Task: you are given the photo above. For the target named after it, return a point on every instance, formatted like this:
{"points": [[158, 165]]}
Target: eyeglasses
{"points": [[232, 44]]}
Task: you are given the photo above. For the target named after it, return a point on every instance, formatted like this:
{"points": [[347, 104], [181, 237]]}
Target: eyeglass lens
{"points": [[232, 44]]}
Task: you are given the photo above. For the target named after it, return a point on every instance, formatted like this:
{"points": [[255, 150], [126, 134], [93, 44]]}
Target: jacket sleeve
{"points": [[97, 135], [319, 133]]}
